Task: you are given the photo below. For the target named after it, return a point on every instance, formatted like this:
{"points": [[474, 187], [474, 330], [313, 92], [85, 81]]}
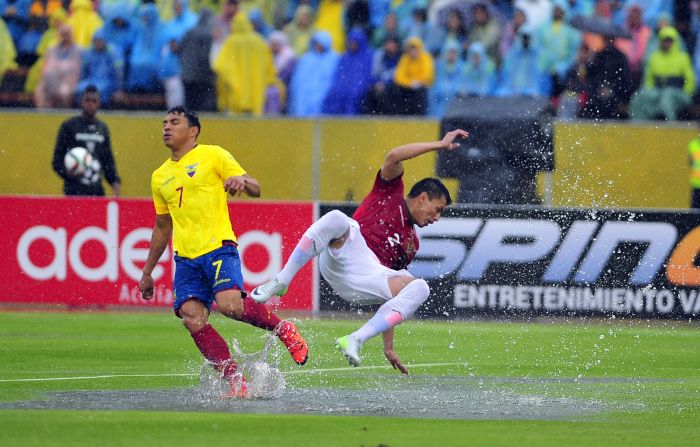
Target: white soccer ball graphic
{"points": [[78, 161]]}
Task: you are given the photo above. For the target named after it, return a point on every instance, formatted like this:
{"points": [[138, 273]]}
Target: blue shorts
{"points": [[204, 276]]}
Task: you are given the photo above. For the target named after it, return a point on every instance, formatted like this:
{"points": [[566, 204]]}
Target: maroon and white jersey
{"points": [[386, 225]]}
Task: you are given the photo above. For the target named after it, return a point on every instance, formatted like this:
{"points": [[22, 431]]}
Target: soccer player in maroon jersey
{"points": [[364, 258]]}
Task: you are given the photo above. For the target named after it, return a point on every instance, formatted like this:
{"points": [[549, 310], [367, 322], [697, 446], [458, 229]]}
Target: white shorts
{"points": [[354, 271]]}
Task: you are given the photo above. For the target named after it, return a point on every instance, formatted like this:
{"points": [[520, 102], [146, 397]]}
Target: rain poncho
{"points": [[172, 32], [101, 67], [669, 82], [245, 67], [145, 54], [312, 77], [412, 72], [285, 58], [119, 29], [479, 77], [671, 68], [59, 74], [84, 21], [330, 18], [48, 39], [522, 73], [448, 83], [352, 79], [18, 22], [7, 50], [558, 44], [298, 33]]}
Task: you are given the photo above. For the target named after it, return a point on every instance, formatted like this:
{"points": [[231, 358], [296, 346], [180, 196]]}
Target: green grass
{"points": [[656, 400]]}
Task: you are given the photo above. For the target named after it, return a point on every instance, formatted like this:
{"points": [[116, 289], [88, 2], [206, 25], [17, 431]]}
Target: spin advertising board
{"points": [[543, 261]]}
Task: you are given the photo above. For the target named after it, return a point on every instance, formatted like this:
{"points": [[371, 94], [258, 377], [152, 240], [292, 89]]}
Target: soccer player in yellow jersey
{"points": [[189, 193]]}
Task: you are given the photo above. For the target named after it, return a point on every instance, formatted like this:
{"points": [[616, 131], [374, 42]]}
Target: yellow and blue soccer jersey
{"points": [[191, 190]]}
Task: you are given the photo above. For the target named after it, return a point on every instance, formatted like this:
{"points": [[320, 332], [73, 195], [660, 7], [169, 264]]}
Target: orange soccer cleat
{"points": [[292, 339]]}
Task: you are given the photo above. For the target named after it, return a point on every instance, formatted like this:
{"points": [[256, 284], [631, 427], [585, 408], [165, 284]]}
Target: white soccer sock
{"points": [[316, 239], [395, 311]]}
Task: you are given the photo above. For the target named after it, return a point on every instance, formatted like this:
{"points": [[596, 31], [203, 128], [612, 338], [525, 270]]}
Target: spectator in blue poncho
{"points": [[479, 73], [170, 69], [101, 67], [522, 73], [558, 44], [312, 77], [448, 78], [257, 19], [119, 30], [145, 55], [15, 13], [352, 78]]}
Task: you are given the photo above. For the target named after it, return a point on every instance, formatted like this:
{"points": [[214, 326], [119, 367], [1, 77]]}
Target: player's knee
{"points": [[422, 289], [330, 226]]}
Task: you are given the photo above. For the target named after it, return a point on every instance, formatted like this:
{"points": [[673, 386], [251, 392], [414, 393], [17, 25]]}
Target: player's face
{"points": [[176, 131], [90, 102], [428, 210]]}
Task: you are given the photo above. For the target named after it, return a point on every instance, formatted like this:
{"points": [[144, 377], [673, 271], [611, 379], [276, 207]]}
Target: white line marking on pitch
{"points": [[306, 371]]}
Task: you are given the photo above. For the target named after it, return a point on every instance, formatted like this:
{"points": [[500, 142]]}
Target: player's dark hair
{"points": [[92, 88], [433, 187], [192, 118]]}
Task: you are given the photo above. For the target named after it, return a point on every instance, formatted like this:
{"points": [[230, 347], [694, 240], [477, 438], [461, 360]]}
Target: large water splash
{"points": [[265, 381]]}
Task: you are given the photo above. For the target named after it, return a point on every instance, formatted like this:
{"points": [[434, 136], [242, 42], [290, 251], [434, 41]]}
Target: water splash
{"points": [[264, 379]]}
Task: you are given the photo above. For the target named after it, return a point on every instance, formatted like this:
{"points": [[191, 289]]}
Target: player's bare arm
{"points": [[162, 232], [393, 166], [389, 353], [237, 185]]}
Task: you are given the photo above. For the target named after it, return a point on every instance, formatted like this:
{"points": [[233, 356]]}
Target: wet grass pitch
{"points": [[119, 378]]}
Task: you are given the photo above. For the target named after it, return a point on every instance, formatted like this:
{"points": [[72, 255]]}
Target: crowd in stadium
{"points": [[607, 59]]}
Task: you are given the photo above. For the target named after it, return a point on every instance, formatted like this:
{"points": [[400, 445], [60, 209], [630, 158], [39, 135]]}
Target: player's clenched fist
{"points": [[234, 185], [146, 286]]}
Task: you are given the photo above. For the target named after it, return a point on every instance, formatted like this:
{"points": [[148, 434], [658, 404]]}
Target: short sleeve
{"points": [[229, 165], [159, 202]]}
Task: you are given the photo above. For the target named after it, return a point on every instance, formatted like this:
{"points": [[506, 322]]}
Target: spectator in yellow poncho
{"points": [[246, 69], [330, 18], [7, 50], [414, 74], [84, 21]]}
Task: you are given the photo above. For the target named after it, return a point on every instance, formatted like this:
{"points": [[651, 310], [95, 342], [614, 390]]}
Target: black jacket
{"points": [[94, 136]]}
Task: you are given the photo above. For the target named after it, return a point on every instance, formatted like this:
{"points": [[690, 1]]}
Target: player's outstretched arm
{"points": [[389, 351], [162, 232], [393, 166]]}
